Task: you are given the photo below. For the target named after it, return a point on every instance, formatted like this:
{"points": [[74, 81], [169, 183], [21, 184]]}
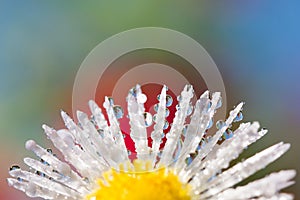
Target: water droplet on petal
{"points": [[179, 98], [228, 134], [154, 117], [141, 98], [208, 138], [50, 151], [85, 179], [188, 160], [93, 120], [14, 167], [155, 107], [129, 152], [158, 97], [184, 130], [199, 147], [44, 162], [148, 119], [178, 149], [132, 91], [208, 106], [189, 87], [40, 173], [159, 154], [166, 125], [167, 112], [190, 109], [111, 101], [211, 122], [238, 117], [219, 104], [101, 132], [118, 111], [19, 179], [169, 100], [220, 124]]}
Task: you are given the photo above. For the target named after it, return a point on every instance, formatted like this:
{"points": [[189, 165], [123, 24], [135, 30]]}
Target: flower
{"points": [[192, 164]]}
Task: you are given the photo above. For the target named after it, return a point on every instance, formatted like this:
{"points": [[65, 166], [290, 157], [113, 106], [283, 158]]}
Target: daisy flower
{"points": [[186, 163]]}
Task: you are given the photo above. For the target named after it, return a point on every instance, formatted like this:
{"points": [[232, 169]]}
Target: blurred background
{"points": [[255, 45]]}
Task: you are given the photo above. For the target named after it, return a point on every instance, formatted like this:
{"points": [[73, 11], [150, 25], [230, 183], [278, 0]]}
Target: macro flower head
{"points": [[185, 163]]}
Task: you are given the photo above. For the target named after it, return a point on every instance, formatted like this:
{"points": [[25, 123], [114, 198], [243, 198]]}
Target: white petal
{"points": [[156, 135], [242, 170], [176, 129], [266, 187], [138, 130]]}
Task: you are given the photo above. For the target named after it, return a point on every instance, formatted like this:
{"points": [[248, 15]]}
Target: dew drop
{"points": [[159, 154], [179, 98], [154, 117], [169, 100], [19, 179], [50, 151], [184, 130], [208, 106], [93, 120], [188, 160], [85, 179], [219, 104], [129, 152], [148, 119], [190, 109], [101, 132], [14, 167], [178, 149], [199, 147], [220, 124], [166, 125], [40, 173], [228, 134], [155, 107], [132, 91], [189, 87], [162, 135], [211, 122], [208, 138], [167, 112], [118, 111], [238, 117], [141, 98], [158, 97], [111, 101], [44, 162]]}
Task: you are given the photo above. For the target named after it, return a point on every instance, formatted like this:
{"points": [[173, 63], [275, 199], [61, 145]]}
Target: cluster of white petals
{"points": [[96, 144]]}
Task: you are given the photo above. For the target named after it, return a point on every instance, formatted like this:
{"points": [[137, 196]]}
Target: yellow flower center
{"points": [[140, 184]]}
